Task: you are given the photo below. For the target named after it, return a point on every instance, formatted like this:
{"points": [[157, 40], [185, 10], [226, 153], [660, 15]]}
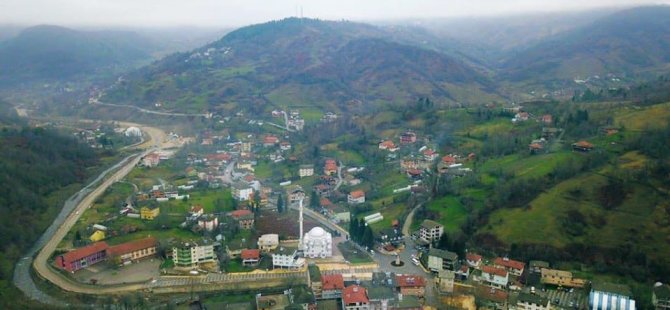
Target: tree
{"points": [[314, 200], [280, 204]]}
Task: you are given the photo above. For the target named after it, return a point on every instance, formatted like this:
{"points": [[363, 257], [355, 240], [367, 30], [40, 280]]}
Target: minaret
{"points": [[300, 244]]}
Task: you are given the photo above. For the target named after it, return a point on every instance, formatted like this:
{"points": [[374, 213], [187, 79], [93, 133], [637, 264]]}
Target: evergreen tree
{"points": [[280, 204]]}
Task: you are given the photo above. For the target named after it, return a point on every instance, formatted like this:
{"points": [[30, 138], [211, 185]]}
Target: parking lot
{"points": [[104, 274], [567, 299]]}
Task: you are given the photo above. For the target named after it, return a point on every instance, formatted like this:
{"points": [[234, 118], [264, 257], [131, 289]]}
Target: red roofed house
{"points": [[449, 160], [547, 119], [512, 266], [473, 260], [330, 168], [494, 276], [410, 284], [270, 140], [333, 284], [128, 252], [244, 217], [388, 145], [356, 197], [430, 155], [82, 257], [355, 297], [197, 210], [250, 257], [582, 146], [151, 160]]}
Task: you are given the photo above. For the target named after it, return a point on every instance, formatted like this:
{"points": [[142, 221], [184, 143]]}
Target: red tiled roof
{"points": [[132, 246], [240, 213], [509, 263], [270, 139], [196, 208], [494, 270], [250, 254], [449, 159], [536, 146], [325, 202], [332, 282], [354, 294], [86, 251], [414, 171], [429, 152], [473, 257], [388, 144], [584, 144], [357, 194], [410, 281]]}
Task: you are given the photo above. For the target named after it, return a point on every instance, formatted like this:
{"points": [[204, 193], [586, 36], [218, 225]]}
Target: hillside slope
{"points": [[48, 53], [300, 62], [627, 42]]}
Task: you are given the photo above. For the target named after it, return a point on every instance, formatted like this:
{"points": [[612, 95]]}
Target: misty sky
{"points": [[222, 13]]}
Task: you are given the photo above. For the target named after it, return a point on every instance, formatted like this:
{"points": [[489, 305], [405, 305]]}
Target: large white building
{"points": [[189, 255], [318, 243], [242, 191], [430, 231], [133, 132], [287, 258]]}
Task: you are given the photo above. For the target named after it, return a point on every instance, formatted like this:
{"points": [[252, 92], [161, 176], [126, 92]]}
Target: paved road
{"points": [[321, 219], [155, 112], [339, 177], [72, 209], [408, 221]]}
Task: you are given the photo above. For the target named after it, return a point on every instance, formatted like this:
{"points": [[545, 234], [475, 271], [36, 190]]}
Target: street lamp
{"points": [[193, 273]]}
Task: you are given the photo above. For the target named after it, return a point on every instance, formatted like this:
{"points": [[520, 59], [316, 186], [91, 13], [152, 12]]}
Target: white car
{"points": [[415, 261]]}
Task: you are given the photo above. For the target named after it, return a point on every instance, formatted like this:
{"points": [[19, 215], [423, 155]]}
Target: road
{"points": [[408, 221], [321, 219], [73, 208], [339, 177], [207, 115]]}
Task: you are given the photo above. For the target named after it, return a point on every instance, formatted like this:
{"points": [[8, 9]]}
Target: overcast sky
{"points": [[223, 13]]}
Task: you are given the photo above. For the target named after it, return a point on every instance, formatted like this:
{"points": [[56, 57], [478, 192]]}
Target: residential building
{"points": [[133, 251], [407, 137], [560, 278], [356, 197], [82, 257], [514, 267], [268, 242], [287, 258], [197, 211], [430, 231], [242, 191], [410, 284], [473, 260], [388, 145], [331, 286], [318, 243], [330, 168], [250, 257], [441, 260], [98, 235], [660, 296], [306, 171], [149, 212], [430, 155], [582, 146], [190, 254], [285, 146], [245, 218], [445, 281], [355, 297], [491, 297], [494, 276], [295, 193], [547, 119], [528, 301], [208, 222], [270, 140], [609, 296], [151, 160]]}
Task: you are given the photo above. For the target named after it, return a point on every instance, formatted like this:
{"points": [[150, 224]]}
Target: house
{"points": [[491, 297], [355, 297], [98, 235], [208, 222], [521, 117], [295, 193], [151, 160], [441, 260], [445, 281], [528, 301], [133, 251], [268, 242], [388, 145], [547, 119], [430, 155], [609, 296], [242, 191], [246, 165], [149, 212], [410, 284], [244, 218], [414, 174], [414, 163], [330, 168], [356, 197], [560, 278], [494, 276], [331, 286], [535, 148], [306, 171], [287, 257], [463, 272], [407, 137], [473, 260], [430, 231], [449, 160], [514, 267], [82, 257], [190, 254], [270, 140], [582, 146], [660, 296], [196, 211], [250, 257], [285, 146]]}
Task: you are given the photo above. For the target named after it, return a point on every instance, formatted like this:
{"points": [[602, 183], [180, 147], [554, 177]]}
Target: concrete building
{"points": [[528, 301], [306, 171], [268, 242], [190, 254], [356, 197], [441, 260], [410, 284], [355, 297], [287, 258], [318, 243], [332, 286], [149, 212], [512, 266], [208, 222], [609, 296], [243, 191], [82, 257], [126, 253], [494, 276], [430, 231]]}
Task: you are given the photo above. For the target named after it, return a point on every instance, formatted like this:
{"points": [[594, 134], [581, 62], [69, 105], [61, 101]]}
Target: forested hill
{"points": [[36, 164], [306, 62]]}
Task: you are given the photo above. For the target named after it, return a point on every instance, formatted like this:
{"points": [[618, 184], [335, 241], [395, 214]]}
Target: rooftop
{"points": [[250, 254], [332, 282], [428, 224], [410, 280], [354, 294], [85, 251], [509, 263], [473, 257], [443, 254], [619, 289], [132, 246], [532, 299], [494, 271]]}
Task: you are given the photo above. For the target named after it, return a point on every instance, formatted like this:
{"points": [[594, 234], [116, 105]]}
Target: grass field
{"points": [[531, 166], [451, 212], [656, 116], [354, 255]]}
